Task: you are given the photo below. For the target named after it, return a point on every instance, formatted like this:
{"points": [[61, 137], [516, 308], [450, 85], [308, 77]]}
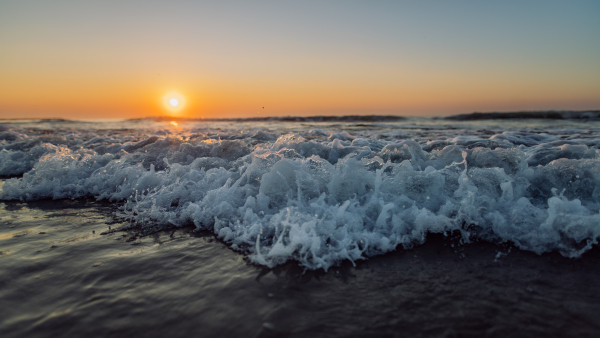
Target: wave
{"points": [[319, 197], [345, 118], [550, 115]]}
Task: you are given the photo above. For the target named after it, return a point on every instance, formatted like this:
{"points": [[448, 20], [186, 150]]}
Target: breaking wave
{"points": [[320, 197]]}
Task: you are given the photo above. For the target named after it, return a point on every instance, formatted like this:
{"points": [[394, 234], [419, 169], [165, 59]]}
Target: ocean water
{"points": [[320, 193], [227, 202]]}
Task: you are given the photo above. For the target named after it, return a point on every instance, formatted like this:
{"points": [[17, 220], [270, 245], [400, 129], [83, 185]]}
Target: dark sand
{"points": [[57, 278]]}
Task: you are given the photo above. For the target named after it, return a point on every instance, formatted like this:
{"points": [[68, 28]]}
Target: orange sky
{"points": [[78, 60]]}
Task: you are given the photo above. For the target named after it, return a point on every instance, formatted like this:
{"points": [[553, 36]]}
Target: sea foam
{"points": [[318, 197]]}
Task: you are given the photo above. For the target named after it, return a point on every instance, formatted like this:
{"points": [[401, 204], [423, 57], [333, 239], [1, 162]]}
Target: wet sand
{"points": [[60, 276]]}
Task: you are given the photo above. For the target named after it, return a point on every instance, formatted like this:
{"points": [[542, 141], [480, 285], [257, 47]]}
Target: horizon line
{"points": [[318, 118]]}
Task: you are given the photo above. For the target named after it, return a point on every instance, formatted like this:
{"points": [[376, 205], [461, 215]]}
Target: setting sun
{"points": [[174, 102]]}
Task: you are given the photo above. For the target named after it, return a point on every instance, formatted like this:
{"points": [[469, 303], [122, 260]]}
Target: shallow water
{"points": [[59, 278]]}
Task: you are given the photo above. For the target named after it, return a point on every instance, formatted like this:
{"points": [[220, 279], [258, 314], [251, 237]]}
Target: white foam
{"points": [[323, 197]]}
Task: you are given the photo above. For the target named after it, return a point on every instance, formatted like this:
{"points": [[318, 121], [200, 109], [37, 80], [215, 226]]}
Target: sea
{"points": [[353, 226]]}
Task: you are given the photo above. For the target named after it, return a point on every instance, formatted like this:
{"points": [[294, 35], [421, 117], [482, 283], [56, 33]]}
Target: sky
{"points": [[129, 59]]}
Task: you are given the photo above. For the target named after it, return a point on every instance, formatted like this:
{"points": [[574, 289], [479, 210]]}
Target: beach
{"points": [[299, 169]]}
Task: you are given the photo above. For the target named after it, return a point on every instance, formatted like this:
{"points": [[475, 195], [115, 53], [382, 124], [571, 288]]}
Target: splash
{"points": [[319, 197]]}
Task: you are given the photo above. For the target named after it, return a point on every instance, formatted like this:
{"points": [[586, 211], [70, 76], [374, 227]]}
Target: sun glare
{"points": [[174, 102]]}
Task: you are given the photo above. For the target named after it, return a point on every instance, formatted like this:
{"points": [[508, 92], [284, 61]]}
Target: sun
{"points": [[174, 102]]}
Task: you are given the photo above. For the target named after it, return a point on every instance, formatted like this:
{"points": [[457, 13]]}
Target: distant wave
{"points": [[550, 115], [38, 120], [345, 118]]}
